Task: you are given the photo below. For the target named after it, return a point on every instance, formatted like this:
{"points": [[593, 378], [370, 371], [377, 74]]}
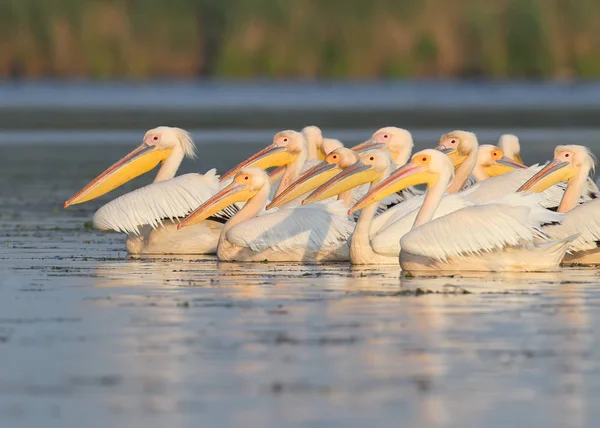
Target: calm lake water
{"points": [[91, 338]]}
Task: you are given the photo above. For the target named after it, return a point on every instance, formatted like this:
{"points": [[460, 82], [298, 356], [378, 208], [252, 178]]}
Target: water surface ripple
{"points": [[91, 338]]}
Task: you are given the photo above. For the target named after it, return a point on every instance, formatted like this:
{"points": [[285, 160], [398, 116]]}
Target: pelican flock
{"points": [[458, 206]]}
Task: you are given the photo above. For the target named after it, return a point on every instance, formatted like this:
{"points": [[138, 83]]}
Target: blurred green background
{"points": [[300, 38]]}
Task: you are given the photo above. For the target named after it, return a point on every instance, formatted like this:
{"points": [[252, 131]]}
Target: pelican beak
{"points": [[308, 181], [444, 150], [136, 163], [555, 172], [502, 166], [457, 158], [230, 194], [268, 157], [368, 145], [355, 175], [508, 162], [409, 175]]}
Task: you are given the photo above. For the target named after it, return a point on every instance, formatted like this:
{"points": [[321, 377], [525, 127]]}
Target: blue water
{"points": [[91, 338], [299, 95]]}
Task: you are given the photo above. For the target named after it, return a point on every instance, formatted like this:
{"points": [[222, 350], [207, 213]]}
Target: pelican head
{"points": [[510, 144], [458, 145], [286, 147], [397, 141], [569, 162], [492, 161], [371, 166], [245, 185], [329, 145], [425, 167], [335, 162], [159, 145]]}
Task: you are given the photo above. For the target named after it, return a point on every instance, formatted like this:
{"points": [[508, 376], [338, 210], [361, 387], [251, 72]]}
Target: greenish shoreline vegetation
{"points": [[300, 38]]}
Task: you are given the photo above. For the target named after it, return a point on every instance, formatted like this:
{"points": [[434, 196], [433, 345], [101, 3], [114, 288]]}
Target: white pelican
{"points": [[382, 243], [308, 234], [512, 148], [175, 198], [335, 162], [573, 164], [142, 213], [501, 235], [164, 145], [509, 143], [289, 150], [317, 145], [492, 161], [461, 147], [372, 167], [499, 175], [474, 162], [397, 142]]}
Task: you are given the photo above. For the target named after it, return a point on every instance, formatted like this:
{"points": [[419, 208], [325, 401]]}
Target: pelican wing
{"points": [[591, 189], [471, 181], [313, 226], [398, 220], [484, 191], [514, 220], [151, 204], [583, 220], [495, 187], [386, 241], [555, 193], [498, 186]]}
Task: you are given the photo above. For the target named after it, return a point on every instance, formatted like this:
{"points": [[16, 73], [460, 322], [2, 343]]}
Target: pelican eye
{"points": [[334, 156], [155, 138], [385, 136], [285, 140], [246, 178], [566, 155], [372, 158], [424, 159], [453, 141]]}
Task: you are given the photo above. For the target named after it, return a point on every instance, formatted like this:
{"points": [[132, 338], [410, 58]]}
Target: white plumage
{"points": [[304, 227], [583, 220], [303, 233], [149, 205], [386, 241], [399, 219], [387, 228], [513, 220], [458, 232]]}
